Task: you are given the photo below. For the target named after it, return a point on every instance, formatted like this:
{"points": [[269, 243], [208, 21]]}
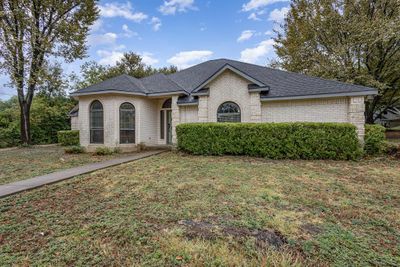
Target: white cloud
{"points": [[170, 7], [245, 35], [253, 16], [128, 32], [111, 10], [109, 57], [268, 32], [186, 59], [148, 58], [108, 38], [257, 4], [156, 22], [278, 15], [96, 25], [252, 55]]}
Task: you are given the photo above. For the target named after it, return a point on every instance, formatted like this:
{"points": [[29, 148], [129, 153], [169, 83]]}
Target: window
{"points": [[228, 112], [96, 123], [127, 123], [167, 103], [164, 108]]}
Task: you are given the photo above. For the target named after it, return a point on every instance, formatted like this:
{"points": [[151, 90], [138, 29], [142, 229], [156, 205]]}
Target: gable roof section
{"points": [[233, 69], [274, 84]]}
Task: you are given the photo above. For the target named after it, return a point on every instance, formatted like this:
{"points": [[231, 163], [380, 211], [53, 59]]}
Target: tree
{"points": [[32, 32], [351, 41], [55, 83], [130, 64]]}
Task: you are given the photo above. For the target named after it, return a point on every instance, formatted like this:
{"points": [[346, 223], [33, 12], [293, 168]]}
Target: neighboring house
{"points": [[124, 111], [390, 118]]}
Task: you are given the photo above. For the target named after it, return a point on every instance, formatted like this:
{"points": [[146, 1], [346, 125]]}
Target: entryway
{"points": [[166, 122]]}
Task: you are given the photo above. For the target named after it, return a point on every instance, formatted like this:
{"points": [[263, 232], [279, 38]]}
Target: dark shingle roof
{"points": [[280, 83], [122, 82], [160, 83]]}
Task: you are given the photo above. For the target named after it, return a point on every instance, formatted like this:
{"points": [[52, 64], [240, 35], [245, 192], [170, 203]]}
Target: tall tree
{"points": [[131, 64], [32, 32], [351, 41]]}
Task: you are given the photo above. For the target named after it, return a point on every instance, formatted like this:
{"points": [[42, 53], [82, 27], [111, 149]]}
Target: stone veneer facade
{"points": [[333, 109]]}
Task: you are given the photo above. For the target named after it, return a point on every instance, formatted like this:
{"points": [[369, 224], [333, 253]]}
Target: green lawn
{"points": [[22, 163], [175, 209]]}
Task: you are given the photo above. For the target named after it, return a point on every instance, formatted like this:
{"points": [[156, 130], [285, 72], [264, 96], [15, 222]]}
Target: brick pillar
{"points": [[175, 117], [203, 109], [255, 107], [356, 115]]}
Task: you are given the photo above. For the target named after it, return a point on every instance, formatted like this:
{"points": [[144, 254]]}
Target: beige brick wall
{"points": [[203, 109], [74, 123], [356, 115], [188, 114], [310, 110], [145, 120]]}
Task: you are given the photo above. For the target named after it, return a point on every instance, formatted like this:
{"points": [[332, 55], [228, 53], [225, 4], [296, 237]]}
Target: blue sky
{"points": [[182, 32]]}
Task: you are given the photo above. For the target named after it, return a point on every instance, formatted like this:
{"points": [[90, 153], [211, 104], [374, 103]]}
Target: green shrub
{"points": [[375, 139], [68, 138], [271, 140], [74, 150], [102, 151]]}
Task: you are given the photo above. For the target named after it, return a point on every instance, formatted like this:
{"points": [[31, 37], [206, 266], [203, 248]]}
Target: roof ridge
{"points": [[129, 78], [175, 83]]}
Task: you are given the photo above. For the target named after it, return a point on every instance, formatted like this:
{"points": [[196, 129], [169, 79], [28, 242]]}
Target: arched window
{"points": [[127, 123], [228, 112], [167, 103], [96, 123]]}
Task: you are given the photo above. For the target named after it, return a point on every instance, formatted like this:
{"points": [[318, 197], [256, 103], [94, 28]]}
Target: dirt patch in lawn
{"points": [[264, 238]]}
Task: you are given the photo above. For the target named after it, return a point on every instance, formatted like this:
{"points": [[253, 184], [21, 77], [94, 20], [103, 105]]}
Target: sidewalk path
{"points": [[12, 188]]}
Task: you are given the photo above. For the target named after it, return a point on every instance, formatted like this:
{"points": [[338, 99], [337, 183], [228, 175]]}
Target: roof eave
{"points": [[77, 94], [361, 93], [188, 104]]}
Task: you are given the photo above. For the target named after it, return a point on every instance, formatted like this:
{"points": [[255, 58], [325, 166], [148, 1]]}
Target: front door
{"points": [[169, 127]]}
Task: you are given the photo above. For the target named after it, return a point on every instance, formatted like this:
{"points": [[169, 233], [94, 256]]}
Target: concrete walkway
{"points": [[16, 187]]}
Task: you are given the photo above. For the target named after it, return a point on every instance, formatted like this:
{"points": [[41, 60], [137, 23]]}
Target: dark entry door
{"points": [[169, 127]]}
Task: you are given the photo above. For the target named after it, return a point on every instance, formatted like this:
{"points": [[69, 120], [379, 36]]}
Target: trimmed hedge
{"points": [[374, 139], [271, 140], [68, 138]]}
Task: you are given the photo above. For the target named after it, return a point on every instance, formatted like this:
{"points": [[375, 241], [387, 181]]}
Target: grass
{"points": [[330, 213], [394, 141], [22, 163]]}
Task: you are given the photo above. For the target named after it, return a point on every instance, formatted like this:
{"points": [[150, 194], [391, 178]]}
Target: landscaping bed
{"points": [[177, 209]]}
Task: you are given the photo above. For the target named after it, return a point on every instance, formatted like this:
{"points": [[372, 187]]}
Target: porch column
{"points": [[203, 109], [255, 107], [175, 117], [356, 115]]}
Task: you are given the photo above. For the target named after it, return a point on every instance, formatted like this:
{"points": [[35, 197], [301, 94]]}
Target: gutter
{"points": [[361, 93]]}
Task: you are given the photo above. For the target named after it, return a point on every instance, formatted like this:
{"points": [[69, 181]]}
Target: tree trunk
{"points": [[25, 123]]}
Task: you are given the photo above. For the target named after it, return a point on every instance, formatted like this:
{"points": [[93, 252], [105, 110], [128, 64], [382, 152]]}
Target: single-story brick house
{"points": [[124, 111]]}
